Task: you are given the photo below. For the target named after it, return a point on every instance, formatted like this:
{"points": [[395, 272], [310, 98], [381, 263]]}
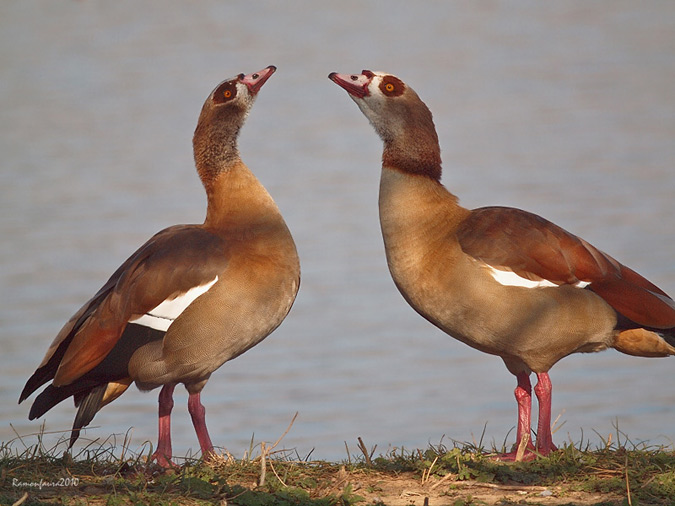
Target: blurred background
{"points": [[566, 109]]}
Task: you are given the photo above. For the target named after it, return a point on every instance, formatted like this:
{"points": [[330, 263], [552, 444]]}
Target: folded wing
{"points": [[510, 239], [170, 264]]}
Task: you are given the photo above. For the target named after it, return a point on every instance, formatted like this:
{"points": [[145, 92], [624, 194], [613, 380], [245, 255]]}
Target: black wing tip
{"points": [[42, 375], [39, 378], [45, 401]]}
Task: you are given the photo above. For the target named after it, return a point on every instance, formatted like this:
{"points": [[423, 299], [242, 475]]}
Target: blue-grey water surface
{"points": [[566, 109]]}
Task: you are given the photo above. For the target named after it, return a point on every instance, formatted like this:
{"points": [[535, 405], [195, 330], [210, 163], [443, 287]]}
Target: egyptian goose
{"points": [[502, 280], [189, 299]]}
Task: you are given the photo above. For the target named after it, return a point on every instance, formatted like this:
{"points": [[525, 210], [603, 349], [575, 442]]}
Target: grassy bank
{"points": [[619, 473]]}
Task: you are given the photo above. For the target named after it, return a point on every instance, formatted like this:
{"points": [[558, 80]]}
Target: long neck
{"points": [[410, 139], [239, 203], [417, 154], [414, 205], [412, 199], [215, 144]]}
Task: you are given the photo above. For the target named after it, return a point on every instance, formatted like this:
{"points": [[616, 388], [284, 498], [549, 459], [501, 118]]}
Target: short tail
{"points": [[646, 343]]}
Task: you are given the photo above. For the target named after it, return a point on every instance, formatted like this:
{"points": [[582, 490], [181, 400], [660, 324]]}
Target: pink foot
{"points": [[527, 453], [163, 461], [528, 456]]}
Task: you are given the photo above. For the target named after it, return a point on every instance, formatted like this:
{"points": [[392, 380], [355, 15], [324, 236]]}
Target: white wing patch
{"points": [[161, 317], [510, 278]]}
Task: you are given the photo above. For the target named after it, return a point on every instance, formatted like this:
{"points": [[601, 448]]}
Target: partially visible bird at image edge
{"points": [[504, 281]]}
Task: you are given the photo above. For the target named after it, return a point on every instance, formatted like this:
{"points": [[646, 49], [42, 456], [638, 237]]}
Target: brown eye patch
{"points": [[392, 86], [225, 92]]}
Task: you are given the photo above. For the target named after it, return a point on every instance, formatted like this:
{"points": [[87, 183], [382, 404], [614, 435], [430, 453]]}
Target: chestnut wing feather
{"points": [[534, 248], [170, 263]]}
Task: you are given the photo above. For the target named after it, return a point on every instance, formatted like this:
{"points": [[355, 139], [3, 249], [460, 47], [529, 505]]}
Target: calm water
{"points": [[567, 110]]}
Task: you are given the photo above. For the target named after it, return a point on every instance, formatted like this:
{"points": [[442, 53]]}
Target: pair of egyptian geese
{"points": [[503, 281]]}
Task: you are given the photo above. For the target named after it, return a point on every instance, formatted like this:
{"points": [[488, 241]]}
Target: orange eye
{"points": [[392, 86], [227, 93]]}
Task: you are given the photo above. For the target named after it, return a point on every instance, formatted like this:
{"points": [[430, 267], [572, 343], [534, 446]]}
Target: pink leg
{"points": [[163, 453], [523, 393], [544, 438], [198, 413]]}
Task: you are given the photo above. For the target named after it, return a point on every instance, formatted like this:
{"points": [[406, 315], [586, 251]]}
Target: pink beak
{"points": [[355, 84], [257, 79]]}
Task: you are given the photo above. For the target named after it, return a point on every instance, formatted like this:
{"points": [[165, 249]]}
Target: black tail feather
{"points": [[51, 396], [669, 336], [88, 404]]}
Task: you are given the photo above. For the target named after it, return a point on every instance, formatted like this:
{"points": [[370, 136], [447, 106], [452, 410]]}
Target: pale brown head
{"points": [[401, 119], [222, 116]]}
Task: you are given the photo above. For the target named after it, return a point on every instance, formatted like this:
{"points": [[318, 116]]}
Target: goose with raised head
{"points": [[188, 300], [502, 280]]}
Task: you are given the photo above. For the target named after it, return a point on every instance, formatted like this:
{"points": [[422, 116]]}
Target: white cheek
{"points": [[162, 316], [244, 95], [241, 88], [373, 106], [510, 278]]}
